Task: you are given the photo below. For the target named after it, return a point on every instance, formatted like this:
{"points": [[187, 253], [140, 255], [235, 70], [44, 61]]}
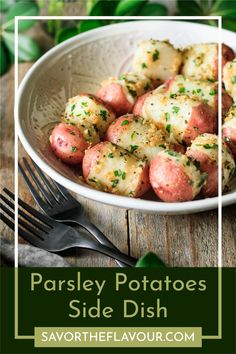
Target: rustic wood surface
{"points": [[189, 240]]}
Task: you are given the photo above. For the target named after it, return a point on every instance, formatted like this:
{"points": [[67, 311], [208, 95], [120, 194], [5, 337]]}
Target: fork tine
{"points": [[49, 197], [41, 226], [31, 239], [33, 191], [63, 191], [48, 184], [21, 222], [45, 219]]}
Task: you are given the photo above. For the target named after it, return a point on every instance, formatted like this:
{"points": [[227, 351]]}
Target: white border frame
{"points": [[16, 129]]}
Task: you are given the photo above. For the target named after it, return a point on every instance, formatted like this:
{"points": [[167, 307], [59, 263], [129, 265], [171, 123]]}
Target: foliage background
{"points": [[30, 49]]}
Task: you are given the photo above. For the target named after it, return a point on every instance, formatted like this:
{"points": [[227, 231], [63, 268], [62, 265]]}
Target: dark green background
{"points": [[45, 309]]}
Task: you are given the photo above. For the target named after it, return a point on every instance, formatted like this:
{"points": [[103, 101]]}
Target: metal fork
{"points": [[58, 203], [50, 235]]}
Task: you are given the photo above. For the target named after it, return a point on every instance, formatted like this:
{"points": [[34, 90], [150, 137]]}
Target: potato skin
{"points": [[174, 177], [184, 117], [204, 150], [112, 169], [157, 60], [229, 130], [121, 93], [137, 135], [68, 143]]}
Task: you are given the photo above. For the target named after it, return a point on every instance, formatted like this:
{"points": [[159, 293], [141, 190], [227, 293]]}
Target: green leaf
{"points": [[188, 7], [226, 13], [103, 8], [65, 33], [129, 7], [205, 5], [28, 49], [21, 8], [150, 260], [6, 4], [230, 25], [90, 24], [153, 10], [3, 59]]}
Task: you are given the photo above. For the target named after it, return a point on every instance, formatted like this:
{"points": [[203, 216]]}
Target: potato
{"points": [[204, 151], [68, 144], [229, 78], [158, 60], [174, 177], [89, 114], [110, 168], [181, 115], [200, 61], [121, 93], [229, 130]]}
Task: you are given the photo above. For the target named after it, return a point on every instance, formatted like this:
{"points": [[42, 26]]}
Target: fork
{"points": [[50, 235], [58, 203]]}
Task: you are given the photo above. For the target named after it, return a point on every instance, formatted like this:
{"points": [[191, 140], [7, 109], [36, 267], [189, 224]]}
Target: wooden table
{"points": [[188, 240]]}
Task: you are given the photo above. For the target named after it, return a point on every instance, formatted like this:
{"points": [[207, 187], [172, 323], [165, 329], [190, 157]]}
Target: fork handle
{"points": [[117, 255], [100, 237]]}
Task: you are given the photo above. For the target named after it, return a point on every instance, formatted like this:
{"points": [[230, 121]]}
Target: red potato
{"points": [[112, 169], [137, 135], [229, 130], [140, 136], [114, 95], [121, 93], [201, 90], [201, 60], [181, 115], [68, 144], [174, 177], [204, 151]]}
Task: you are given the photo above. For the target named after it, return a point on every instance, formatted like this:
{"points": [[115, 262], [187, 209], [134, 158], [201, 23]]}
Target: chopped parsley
{"points": [[175, 109], [144, 66], [173, 95], [210, 146], [167, 116], [155, 55], [72, 107], [103, 114], [74, 148], [213, 92], [233, 80], [181, 89], [199, 90], [197, 164], [125, 122], [117, 173], [114, 182], [133, 148], [202, 179], [132, 135], [123, 176], [111, 155], [172, 153], [168, 128], [84, 104], [162, 146]]}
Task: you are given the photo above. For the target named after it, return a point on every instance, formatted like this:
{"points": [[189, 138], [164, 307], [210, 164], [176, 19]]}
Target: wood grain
{"points": [[189, 240]]}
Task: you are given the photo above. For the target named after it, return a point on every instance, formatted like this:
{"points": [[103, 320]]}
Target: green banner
{"points": [[63, 310]]}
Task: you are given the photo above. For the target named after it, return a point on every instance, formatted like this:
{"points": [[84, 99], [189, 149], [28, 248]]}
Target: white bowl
{"points": [[79, 65]]}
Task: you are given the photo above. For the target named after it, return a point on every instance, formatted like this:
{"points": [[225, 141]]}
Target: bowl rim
{"points": [[87, 191]]}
